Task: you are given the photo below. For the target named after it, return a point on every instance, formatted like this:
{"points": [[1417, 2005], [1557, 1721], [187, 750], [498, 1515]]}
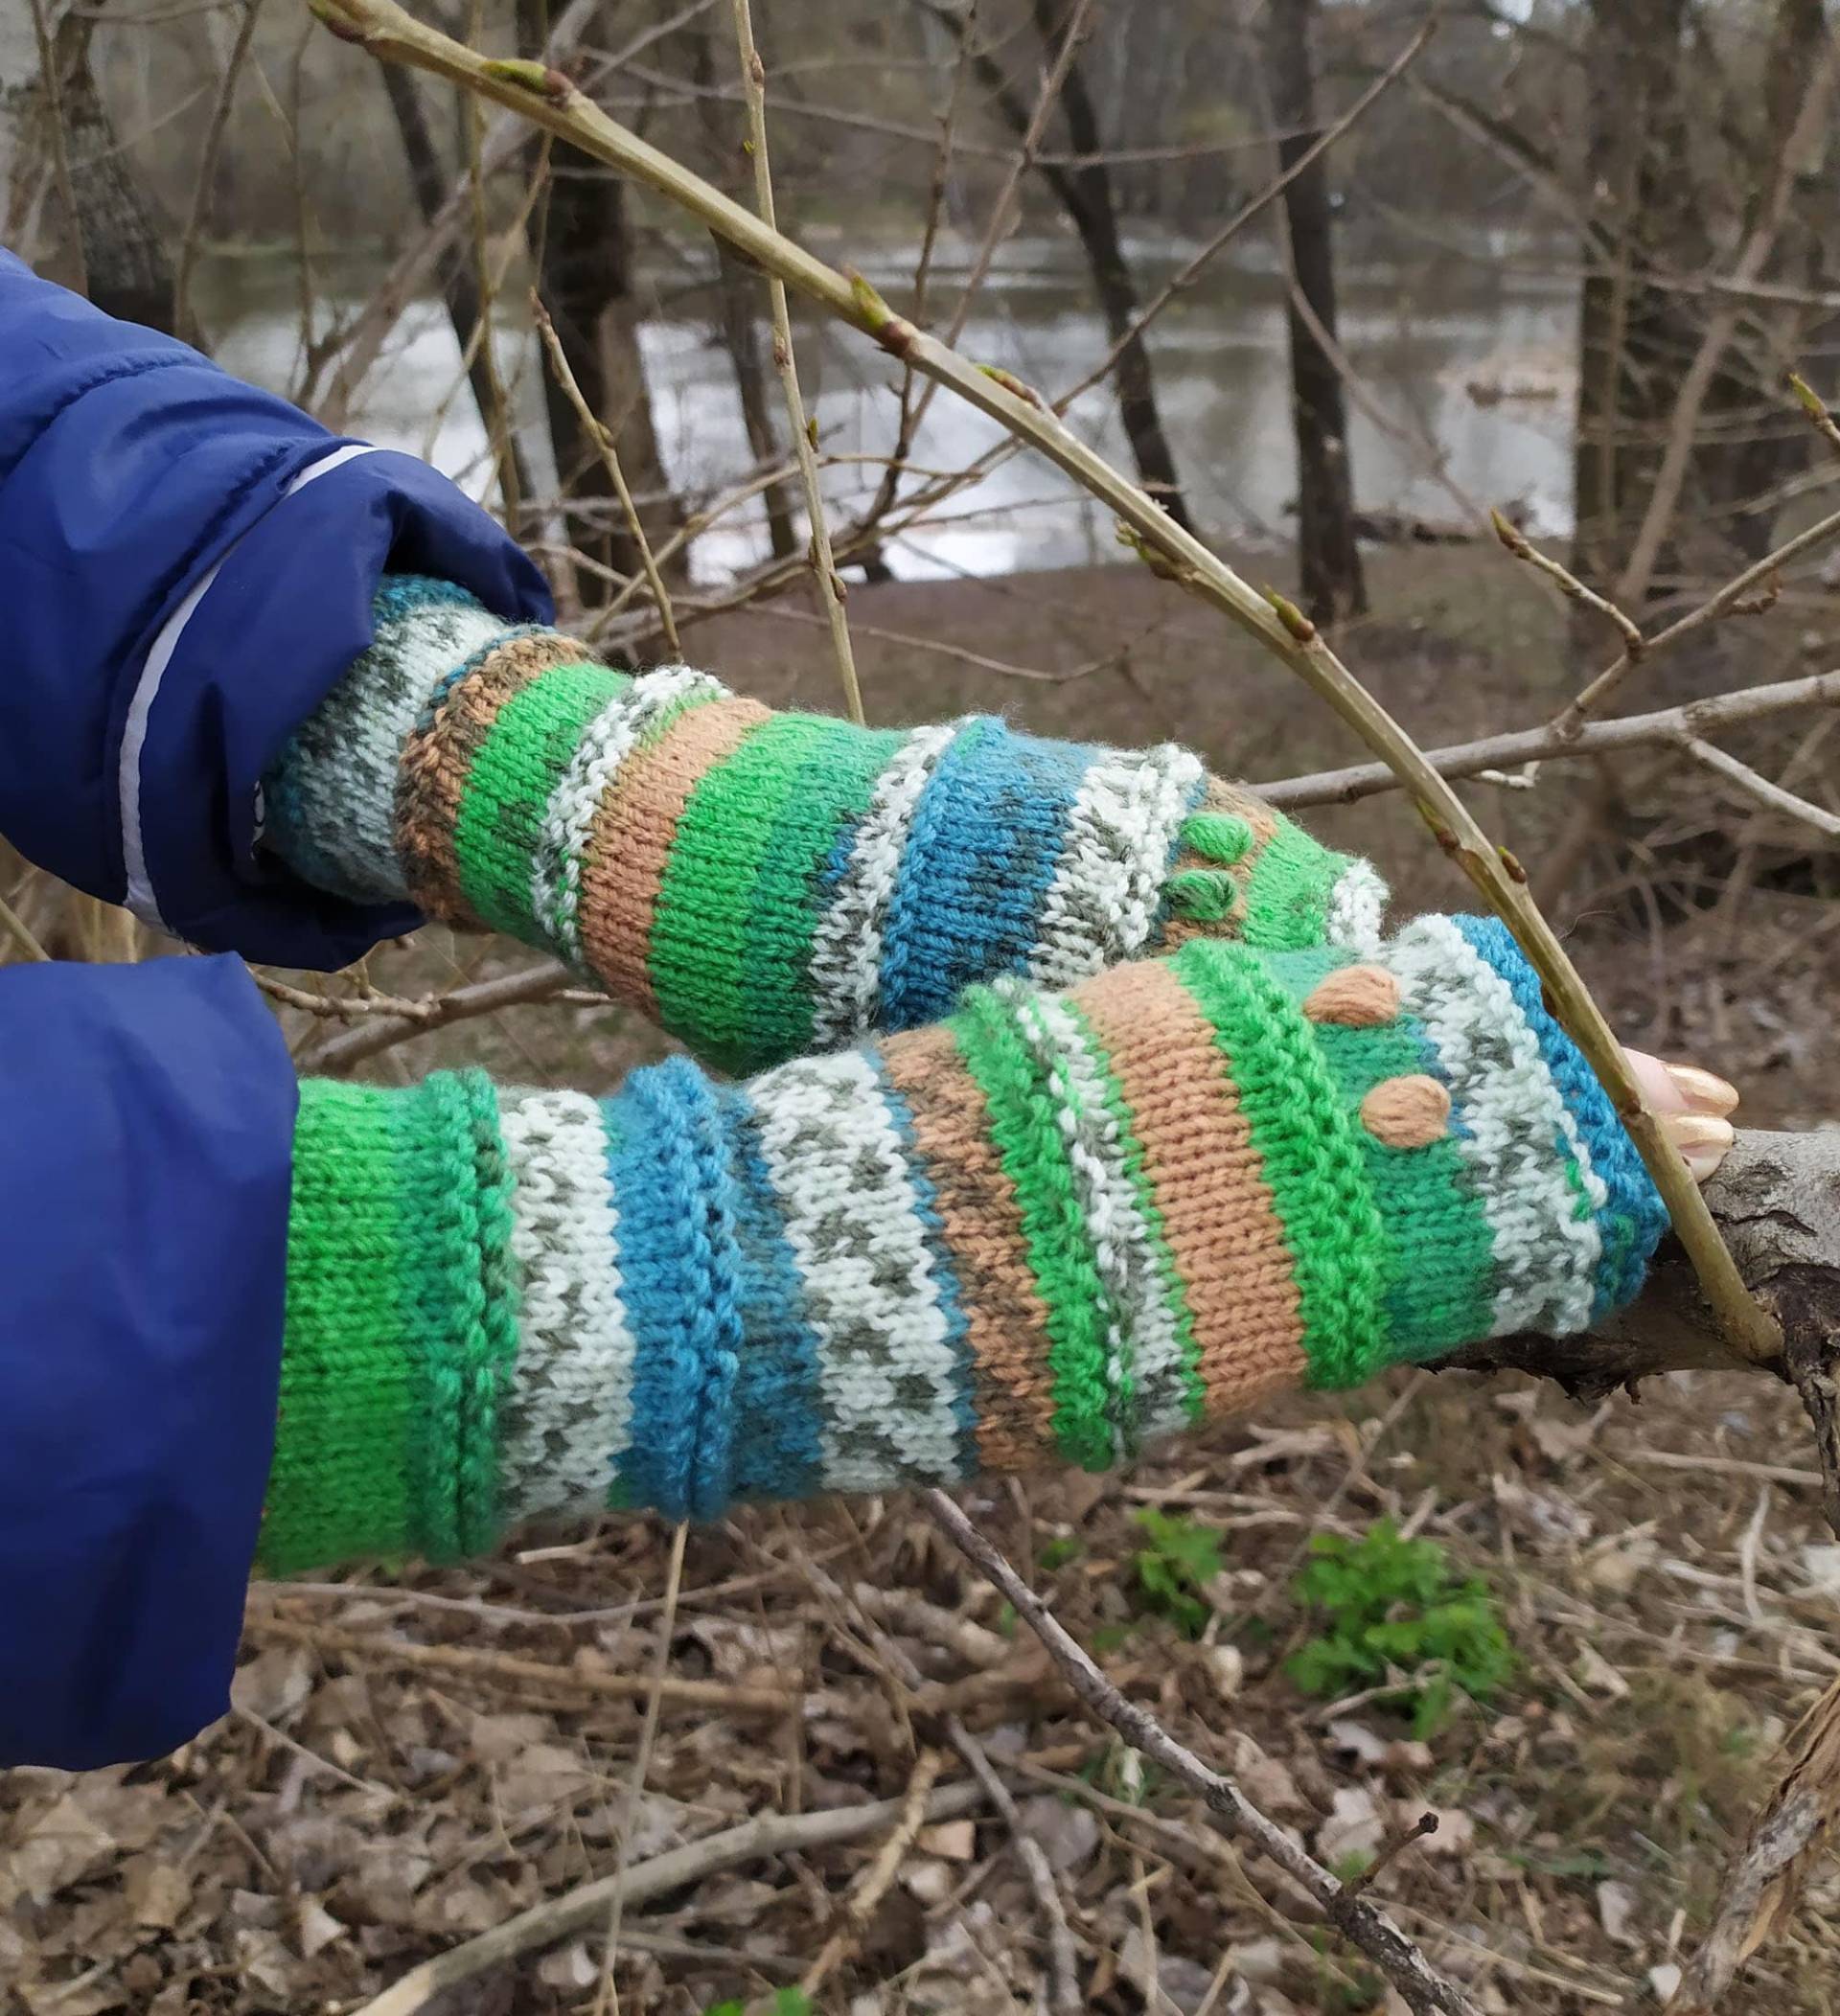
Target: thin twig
{"points": [[874, 1884], [16, 927], [602, 438], [348, 1007], [1683, 433], [1815, 409], [504, 1668], [61, 144], [511, 990], [1358, 1921], [1632, 731], [549, 99], [208, 164], [1199, 260], [1523, 548], [1063, 1962], [606, 1996], [1759, 788], [556, 1918], [1724, 601], [831, 590]]}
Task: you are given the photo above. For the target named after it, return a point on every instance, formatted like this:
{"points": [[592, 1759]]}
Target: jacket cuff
{"points": [[275, 628]]}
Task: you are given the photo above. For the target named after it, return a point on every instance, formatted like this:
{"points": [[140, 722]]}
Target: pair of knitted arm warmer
{"points": [[1062, 1205]]}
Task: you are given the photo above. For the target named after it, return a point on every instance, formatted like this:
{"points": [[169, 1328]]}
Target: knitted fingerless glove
{"points": [[766, 884], [1045, 1230]]}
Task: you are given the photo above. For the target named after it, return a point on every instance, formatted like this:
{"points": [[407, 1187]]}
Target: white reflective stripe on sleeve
{"points": [[140, 896]]}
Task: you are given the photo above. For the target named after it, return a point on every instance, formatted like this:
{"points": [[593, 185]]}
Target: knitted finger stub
{"points": [[1047, 1229], [767, 884]]}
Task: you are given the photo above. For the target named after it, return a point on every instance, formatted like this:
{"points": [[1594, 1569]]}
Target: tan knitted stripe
{"points": [[634, 826], [981, 1225], [1206, 1179], [432, 775]]}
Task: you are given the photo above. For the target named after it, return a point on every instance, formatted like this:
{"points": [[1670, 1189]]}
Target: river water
{"points": [[1464, 363]]}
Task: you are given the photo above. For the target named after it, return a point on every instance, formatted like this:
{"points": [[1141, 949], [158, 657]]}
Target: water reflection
{"points": [[1465, 361]]}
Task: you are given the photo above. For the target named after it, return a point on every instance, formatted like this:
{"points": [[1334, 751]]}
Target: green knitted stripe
{"points": [[339, 1487], [1175, 1295], [1440, 1252], [699, 956], [1314, 1166], [1060, 1245], [508, 787], [1287, 893], [835, 781], [459, 1307]]}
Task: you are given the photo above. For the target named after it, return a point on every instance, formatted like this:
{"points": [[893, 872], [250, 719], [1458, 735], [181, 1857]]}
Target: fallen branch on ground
{"points": [[1360, 1923], [557, 1918]]}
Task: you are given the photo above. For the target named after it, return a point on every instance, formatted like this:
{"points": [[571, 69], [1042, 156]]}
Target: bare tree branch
{"points": [[1360, 1922], [1633, 731]]}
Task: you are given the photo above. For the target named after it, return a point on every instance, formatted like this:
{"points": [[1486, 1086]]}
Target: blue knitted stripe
{"points": [[1634, 1217], [400, 596], [952, 1301], [980, 855], [679, 1264], [778, 1450]]}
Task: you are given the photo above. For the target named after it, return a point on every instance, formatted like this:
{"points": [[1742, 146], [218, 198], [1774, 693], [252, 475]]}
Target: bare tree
{"points": [[1328, 560], [459, 283], [738, 303], [1083, 187], [68, 201], [587, 276]]}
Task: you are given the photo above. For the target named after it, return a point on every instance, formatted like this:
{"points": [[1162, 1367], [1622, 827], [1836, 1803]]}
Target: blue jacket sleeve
{"points": [[145, 1137], [187, 564]]}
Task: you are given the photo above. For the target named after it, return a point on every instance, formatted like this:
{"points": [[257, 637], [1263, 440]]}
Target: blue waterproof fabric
{"points": [[186, 566], [130, 467], [146, 1121]]}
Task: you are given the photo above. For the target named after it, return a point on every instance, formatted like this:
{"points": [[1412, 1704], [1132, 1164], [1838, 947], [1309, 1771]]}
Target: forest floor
{"points": [[413, 1759]]}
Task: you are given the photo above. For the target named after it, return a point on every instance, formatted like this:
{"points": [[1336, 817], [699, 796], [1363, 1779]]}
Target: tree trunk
{"points": [[1085, 194], [1085, 191], [584, 274], [459, 283], [1634, 342], [738, 294], [57, 127], [1333, 585]]}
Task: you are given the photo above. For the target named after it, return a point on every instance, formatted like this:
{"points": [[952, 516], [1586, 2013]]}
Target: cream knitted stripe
{"points": [[852, 1217], [354, 738], [1356, 908], [568, 818], [1511, 1117], [847, 947], [1145, 1344], [568, 1415], [1101, 907]]}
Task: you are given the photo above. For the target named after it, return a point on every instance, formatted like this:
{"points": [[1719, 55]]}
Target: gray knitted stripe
{"points": [[336, 819]]}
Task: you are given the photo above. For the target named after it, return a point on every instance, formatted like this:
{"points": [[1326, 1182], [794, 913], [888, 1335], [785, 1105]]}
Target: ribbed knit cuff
{"points": [[769, 885], [1048, 1229]]}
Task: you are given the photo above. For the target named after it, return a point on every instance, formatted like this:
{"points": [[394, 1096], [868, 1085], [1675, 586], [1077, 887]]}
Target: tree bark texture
{"points": [[459, 283], [1333, 585], [1648, 90], [1085, 192], [111, 250], [585, 260]]}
